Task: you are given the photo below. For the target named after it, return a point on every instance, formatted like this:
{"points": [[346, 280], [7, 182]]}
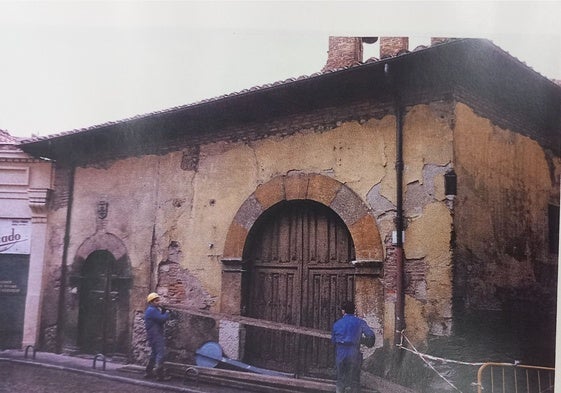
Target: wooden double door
{"points": [[103, 313], [299, 257]]}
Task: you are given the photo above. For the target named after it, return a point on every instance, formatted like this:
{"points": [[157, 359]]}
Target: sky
{"points": [[69, 65]]}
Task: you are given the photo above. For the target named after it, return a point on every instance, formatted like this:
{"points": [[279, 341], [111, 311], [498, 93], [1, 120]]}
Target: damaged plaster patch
{"points": [[178, 285], [419, 194], [444, 111], [190, 158], [380, 205]]}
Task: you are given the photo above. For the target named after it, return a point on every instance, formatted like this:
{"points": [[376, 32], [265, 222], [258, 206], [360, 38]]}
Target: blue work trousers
{"points": [[348, 374], [157, 344]]}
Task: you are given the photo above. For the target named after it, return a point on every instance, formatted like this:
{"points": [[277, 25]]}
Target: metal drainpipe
{"points": [[399, 255], [64, 268], [400, 291]]}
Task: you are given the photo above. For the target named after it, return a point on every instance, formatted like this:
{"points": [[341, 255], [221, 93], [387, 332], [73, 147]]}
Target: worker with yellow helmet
{"points": [[155, 318]]}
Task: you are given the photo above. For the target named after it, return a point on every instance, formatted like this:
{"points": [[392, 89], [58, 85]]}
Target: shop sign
{"points": [[15, 236]]}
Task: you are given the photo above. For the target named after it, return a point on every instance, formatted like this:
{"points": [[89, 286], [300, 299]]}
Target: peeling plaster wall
{"points": [[428, 154], [173, 211], [505, 182]]}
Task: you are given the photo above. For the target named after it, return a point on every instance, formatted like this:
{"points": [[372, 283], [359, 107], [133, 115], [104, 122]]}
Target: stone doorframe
{"points": [[100, 241], [331, 193]]}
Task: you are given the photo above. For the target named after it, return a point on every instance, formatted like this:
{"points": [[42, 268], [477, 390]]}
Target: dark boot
{"points": [[161, 375], [149, 374]]}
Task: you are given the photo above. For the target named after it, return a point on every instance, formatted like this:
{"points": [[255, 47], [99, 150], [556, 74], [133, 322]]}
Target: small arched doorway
{"points": [[103, 310], [298, 256]]}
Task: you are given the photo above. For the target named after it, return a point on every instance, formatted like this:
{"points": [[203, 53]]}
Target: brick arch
{"points": [[337, 196]]}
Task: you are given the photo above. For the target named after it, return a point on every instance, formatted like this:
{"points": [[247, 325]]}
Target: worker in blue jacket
{"points": [[347, 335], [155, 318]]}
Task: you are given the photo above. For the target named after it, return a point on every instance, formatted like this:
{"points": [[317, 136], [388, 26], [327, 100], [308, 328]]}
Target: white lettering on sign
{"points": [[8, 287], [15, 236]]}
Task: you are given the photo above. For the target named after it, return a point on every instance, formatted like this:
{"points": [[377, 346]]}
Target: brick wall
{"points": [[391, 46]]}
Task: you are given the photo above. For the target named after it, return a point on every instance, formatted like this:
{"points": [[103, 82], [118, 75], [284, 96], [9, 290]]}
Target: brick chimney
{"points": [[343, 52], [391, 46], [439, 40]]}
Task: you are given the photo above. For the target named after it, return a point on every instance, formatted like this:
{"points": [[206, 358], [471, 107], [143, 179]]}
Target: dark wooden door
{"points": [[299, 255], [101, 305]]}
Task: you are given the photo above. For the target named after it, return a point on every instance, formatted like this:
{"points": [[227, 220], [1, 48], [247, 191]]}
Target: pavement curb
{"points": [[103, 374]]}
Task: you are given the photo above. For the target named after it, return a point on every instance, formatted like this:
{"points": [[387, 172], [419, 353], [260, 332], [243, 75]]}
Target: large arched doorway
{"points": [[298, 256], [103, 310]]}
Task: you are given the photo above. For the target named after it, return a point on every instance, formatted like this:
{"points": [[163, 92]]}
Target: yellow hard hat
{"points": [[152, 296]]}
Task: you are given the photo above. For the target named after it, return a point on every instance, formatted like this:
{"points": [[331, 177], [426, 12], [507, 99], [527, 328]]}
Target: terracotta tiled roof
{"points": [[474, 70], [218, 98], [420, 48], [180, 107]]}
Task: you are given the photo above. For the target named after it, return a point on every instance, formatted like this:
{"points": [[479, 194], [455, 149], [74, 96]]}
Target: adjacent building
{"points": [[25, 183]]}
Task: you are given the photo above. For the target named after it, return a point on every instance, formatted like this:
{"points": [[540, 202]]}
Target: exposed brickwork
{"points": [[175, 291], [390, 266], [414, 270], [415, 282], [184, 332], [59, 198], [178, 286], [321, 120], [391, 46], [439, 40], [343, 52]]}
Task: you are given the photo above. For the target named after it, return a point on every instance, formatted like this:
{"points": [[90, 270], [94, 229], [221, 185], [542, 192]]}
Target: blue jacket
{"points": [[154, 321], [346, 335]]}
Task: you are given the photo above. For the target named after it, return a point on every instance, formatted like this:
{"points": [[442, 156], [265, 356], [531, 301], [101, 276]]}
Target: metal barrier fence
{"points": [[514, 378]]}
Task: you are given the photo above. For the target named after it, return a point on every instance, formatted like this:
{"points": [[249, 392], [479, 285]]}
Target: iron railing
{"points": [[514, 378]]}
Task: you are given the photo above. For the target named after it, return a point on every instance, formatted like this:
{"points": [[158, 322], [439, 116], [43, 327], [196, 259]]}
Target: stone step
{"points": [[250, 381]]}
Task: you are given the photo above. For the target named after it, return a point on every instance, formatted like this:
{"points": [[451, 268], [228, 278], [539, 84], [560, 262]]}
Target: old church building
{"points": [[424, 185]]}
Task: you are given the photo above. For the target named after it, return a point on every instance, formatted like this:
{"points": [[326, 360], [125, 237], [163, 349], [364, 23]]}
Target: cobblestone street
{"points": [[27, 378]]}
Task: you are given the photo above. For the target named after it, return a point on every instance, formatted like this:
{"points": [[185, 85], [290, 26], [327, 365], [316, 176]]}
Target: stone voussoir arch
{"points": [[323, 189], [99, 242]]}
